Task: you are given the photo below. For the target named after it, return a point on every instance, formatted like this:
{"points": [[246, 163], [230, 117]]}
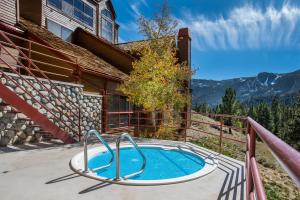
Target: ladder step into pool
{"points": [[118, 142]]}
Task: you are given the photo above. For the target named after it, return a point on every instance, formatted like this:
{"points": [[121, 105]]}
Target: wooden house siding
{"points": [[8, 11], [63, 19]]}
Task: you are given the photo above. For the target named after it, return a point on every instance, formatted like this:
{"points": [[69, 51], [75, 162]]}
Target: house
{"points": [[72, 47]]}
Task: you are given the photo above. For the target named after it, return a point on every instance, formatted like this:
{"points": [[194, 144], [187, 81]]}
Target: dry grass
{"points": [[278, 184]]}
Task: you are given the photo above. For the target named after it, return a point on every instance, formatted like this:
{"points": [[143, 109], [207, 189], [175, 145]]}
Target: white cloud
{"points": [[135, 7], [247, 27]]}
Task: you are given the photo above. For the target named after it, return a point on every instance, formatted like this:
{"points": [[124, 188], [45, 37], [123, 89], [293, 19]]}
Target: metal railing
{"points": [[129, 138], [288, 158], [137, 120], [26, 65], [85, 144]]}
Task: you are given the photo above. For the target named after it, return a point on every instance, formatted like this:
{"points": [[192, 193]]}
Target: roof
{"points": [[108, 51], [132, 45], [88, 61]]}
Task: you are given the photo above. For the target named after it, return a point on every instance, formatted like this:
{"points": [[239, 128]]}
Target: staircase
{"points": [[21, 128], [37, 107]]}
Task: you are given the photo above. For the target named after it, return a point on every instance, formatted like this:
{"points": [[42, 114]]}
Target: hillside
{"points": [[249, 89]]}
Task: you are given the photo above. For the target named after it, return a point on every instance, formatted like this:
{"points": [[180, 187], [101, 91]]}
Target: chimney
{"points": [[184, 46]]}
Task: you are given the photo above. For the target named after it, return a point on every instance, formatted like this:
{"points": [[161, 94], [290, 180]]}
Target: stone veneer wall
{"points": [[15, 128], [91, 107]]}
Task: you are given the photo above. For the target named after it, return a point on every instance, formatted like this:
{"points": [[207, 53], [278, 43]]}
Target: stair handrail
{"points": [[3, 34], [41, 72], [49, 81], [102, 140], [118, 141], [28, 93]]}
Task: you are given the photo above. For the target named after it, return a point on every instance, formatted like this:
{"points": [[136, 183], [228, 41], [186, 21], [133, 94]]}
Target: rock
{"points": [[9, 125], [23, 127], [42, 111], [36, 129], [54, 92], [36, 86], [30, 138], [15, 140], [47, 86], [27, 96], [44, 100], [21, 135], [3, 81], [29, 131], [9, 133], [19, 91], [44, 93], [38, 137], [68, 91], [36, 106], [58, 102], [4, 141], [29, 102], [37, 98], [20, 81]]}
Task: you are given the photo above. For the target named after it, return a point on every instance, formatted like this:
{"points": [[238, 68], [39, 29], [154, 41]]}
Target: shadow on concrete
{"points": [[234, 180], [94, 187], [31, 146], [63, 178]]}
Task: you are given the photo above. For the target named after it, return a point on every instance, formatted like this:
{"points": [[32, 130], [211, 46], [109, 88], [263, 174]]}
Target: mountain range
{"points": [[262, 87]]}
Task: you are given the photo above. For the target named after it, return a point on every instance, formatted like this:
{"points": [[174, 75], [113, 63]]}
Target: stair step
{"points": [[35, 125], [46, 135], [21, 116]]}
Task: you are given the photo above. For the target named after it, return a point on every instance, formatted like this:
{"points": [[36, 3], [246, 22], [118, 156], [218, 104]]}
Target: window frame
{"points": [[81, 17], [109, 20], [61, 29]]}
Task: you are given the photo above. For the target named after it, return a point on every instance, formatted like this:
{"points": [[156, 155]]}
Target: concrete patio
{"points": [[42, 172]]}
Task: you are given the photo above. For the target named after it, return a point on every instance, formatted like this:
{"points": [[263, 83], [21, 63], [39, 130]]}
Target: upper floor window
{"points": [[76, 9], [59, 30], [107, 25], [107, 14]]}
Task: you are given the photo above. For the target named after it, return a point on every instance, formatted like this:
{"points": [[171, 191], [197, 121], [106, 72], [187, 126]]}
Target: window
{"points": [[107, 25], [107, 14], [55, 3], [107, 29], [119, 111], [59, 30], [76, 9], [66, 34]]}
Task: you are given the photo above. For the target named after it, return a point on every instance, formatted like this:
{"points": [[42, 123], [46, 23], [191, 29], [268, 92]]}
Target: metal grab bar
{"points": [[85, 143], [129, 138]]}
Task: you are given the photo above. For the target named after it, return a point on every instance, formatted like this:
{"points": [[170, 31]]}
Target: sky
{"points": [[230, 38]]}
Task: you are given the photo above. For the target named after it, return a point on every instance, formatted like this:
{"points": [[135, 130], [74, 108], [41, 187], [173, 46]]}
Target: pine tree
{"points": [[294, 131], [264, 116], [229, 105], [277, 115]]}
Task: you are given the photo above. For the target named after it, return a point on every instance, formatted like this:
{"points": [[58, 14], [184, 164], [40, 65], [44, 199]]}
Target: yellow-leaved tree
{"points": [[157, 80]]}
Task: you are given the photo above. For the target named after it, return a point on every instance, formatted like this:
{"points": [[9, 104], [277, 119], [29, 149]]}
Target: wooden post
{"points": [[221, 136], [250, 154]]}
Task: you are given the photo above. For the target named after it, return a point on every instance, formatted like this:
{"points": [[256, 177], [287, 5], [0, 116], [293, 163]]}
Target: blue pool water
{"points": [[161, 163]]}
